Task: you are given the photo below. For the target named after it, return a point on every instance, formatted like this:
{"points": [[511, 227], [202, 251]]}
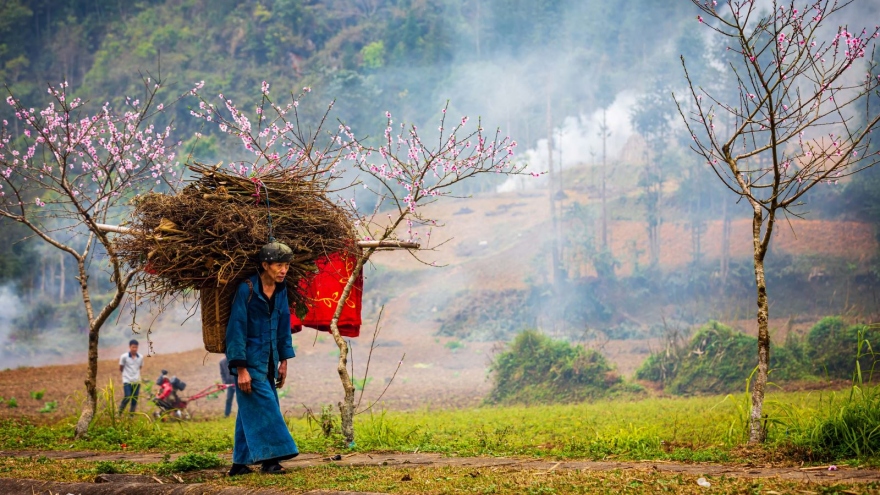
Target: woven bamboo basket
{"points": [[216, 305]]}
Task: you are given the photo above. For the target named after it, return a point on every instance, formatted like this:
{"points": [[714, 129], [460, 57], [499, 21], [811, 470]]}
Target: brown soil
{"points": [[430, 376]]}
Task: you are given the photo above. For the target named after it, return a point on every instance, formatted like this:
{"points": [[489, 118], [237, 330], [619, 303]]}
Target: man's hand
{"points": [[244, 380], [282, 374]]}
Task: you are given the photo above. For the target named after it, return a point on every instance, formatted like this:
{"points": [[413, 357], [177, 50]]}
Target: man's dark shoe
{"points": [[239, 469], [272, 467]]}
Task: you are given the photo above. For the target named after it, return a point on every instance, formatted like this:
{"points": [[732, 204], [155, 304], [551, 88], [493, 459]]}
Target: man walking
{"points": [[228, 379], [130, 364], [258, 345]]}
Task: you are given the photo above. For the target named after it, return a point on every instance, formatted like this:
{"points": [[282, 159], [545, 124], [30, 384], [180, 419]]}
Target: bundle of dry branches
{"points": [[209, 233]]}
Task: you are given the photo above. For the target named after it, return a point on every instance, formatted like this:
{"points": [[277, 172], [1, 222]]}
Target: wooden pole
{"points": [[364, 244]]}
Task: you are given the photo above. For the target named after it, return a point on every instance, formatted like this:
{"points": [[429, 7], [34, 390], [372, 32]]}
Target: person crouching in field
{"points": [[258, 345]]}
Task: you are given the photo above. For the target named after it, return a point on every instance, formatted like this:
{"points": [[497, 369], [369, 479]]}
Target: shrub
{"points": [[538, 369], [831, 347], [663, 365], [454, 345], [657, 367], [718, 360]]}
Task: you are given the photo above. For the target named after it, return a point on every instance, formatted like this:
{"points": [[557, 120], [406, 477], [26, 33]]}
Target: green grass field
{"points": [[696, 429], [684, 429]]}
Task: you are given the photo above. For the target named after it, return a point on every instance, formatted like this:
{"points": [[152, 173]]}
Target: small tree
{"points": [[70, 170], [409, 174], [794, 122], [651, 118], [405, 173]]}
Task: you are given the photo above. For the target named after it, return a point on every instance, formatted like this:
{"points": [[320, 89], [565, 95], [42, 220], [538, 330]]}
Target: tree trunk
{"points": [[61, 278], [88, 412], [604, 205], [555, 257], [725, 245], [50, 285], [43, 278], [757, 433], [346, 406]]}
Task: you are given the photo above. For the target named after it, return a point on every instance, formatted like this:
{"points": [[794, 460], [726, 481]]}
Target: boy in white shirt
{"points": [[130, 364]]}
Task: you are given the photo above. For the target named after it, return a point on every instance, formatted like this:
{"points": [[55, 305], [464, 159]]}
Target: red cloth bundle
{"points": [[323, 290]]}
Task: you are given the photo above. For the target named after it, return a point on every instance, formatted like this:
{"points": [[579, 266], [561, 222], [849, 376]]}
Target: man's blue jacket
{"points": [[254, 335]]}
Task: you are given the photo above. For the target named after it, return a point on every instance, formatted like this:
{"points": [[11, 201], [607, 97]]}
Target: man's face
{"points": [[132, 349], [277, 270]]}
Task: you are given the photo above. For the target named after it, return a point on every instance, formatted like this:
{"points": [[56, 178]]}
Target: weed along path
{"points": [[313, 474]]}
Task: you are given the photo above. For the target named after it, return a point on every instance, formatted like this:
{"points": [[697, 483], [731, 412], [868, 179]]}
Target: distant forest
{"points": [[502, 60]]}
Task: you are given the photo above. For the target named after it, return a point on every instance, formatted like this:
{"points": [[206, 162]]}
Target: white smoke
{"points": [[579, 140], [10, 307]]}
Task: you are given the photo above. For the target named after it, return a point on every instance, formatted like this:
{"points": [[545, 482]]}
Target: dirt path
{"points": [[35, 487], [401, 460]]}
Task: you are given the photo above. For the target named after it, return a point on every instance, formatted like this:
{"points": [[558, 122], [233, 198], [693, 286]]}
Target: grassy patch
{"points": [[700, 429], [651, 428], [191, 461], [847, 425]]}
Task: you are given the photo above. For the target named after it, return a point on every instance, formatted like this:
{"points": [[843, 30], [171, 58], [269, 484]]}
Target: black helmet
{"points": [[276, 252]]}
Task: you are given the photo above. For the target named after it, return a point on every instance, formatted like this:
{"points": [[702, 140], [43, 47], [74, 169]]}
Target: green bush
{"points": [[454, 345], [831, 347], [537, 369], [718, 360], [657, 367]]}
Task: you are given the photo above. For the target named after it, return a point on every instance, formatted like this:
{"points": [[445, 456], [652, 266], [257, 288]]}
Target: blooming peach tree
{"points": [[793, 118], [70, 169]]}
